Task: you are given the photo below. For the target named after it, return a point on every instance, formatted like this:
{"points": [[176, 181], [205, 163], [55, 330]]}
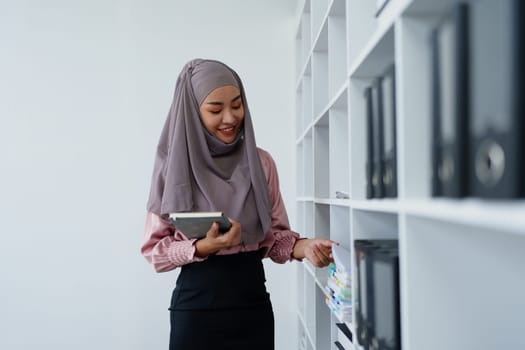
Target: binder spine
{"points": [[450, 145], [496, 137], [462, 100], [369, 143], [389, 156], [377, 131]]}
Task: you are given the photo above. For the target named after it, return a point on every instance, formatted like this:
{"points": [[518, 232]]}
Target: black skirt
{"points": [[222, 303]]}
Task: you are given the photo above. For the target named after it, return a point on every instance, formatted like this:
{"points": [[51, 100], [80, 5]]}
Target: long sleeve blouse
{"points": [[167, 248]]}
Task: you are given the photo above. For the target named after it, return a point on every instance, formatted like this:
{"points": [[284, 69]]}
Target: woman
{"points": [[207, 160]]}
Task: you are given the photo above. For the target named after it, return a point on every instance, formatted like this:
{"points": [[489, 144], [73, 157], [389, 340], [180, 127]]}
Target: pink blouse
{"points": [[166, 248]]}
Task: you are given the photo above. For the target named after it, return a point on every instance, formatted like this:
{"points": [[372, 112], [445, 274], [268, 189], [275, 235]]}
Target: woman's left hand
{"points": [[317, 250]]}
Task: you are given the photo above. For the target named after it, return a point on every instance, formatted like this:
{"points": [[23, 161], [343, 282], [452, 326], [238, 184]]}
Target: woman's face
{"points": [[222, 113]]}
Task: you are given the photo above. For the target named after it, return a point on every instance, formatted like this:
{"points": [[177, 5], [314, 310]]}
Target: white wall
{"points": [[85, 87]]}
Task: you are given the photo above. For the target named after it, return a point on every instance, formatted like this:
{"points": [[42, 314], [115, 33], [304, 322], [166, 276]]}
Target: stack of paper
{"points": [[338, 286]]}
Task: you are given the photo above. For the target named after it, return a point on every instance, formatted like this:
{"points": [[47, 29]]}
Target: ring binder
{"points": [[377, 133], [497, 128], [369, 142], [389, 154], [450, 103], [377, 292]]}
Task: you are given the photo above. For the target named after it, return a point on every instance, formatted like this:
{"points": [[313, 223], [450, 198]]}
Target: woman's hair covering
{"points": [[195, 171]]}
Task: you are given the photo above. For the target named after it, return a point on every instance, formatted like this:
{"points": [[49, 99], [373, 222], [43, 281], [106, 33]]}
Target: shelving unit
{"points": [[462, 262]]}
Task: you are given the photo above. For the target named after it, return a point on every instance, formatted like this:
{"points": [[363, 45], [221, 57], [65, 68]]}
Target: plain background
{"points": [[85, 87]]}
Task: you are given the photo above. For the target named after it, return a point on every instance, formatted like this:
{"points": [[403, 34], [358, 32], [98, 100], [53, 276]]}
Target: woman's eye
{"points": [[236, 107], [215, 112]]}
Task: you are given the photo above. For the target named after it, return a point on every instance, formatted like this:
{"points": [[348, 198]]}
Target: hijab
{"points": [[195, 171]]}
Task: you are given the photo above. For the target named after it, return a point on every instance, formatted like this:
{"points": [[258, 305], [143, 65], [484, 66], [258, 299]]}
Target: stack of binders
{"points": [[377, 305], [338, 286], [477, 101], [381, 167]]}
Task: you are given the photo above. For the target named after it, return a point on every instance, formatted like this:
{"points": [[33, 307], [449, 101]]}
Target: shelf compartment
{"points": [[300, 271], [299, 112], [322, 221], [306, 36], [374, 225], [308, 163], [337, 67], [300, 222], [413, 91], [465, 281], [320, 72], [322, 313], [308, 231], [340, 226], [319, 10], [361, 26], [321, 157], [306, 94], [339, 158], [358, 127], [357, 115], [310, 291], [299, 151], [333, 330]]}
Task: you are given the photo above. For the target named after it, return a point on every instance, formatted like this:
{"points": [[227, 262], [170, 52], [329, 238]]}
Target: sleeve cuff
{"points": [[183, 253]]}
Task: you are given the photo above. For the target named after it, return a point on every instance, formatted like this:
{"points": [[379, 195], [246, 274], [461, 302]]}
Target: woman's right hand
{"points": [[215, 241]]}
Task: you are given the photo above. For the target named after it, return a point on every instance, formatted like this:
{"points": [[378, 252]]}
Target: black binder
{"points": [[496, 132], [377, 133], [386, 327], [369, 143], [363, 292], [449, 44], [388, 107], [365, 289]]}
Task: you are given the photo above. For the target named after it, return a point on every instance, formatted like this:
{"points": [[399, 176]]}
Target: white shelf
{"points": [[377, 205], [333, 201], [498, 216], [459, 259], [501, 216]]}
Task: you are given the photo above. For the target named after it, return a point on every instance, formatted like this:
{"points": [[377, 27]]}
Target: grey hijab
{"points": [[195, 171]]}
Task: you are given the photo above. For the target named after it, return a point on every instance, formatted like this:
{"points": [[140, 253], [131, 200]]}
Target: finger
{"points": [[324, 257], [234, 223], [324, 249], [326, 253], [233, 236], [326, 242], [214, 230], [318, 256]]}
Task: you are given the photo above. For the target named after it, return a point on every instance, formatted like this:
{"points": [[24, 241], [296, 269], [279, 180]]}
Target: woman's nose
{"points": [[228, 116]]}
